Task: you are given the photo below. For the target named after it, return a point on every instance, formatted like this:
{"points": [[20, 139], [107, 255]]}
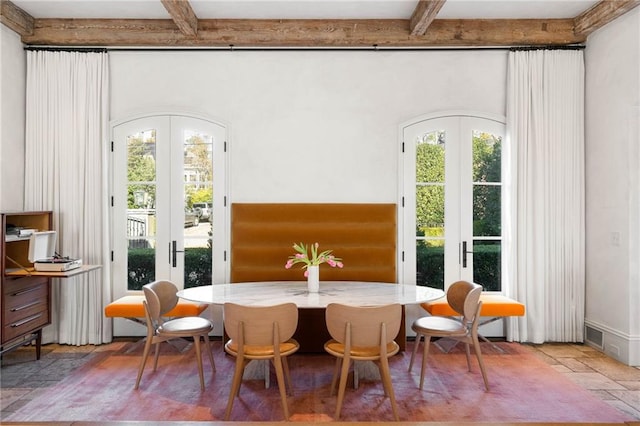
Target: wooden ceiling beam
{"points": [[302, 33], [423, 15], [183, 16], [601, 14], [16, 19], [310, 33]]}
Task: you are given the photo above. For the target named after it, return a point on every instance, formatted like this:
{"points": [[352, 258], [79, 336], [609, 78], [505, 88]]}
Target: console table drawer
{"points": [[24, 291], [25, 295], [25, 325], [25, 306], [16, 284]]}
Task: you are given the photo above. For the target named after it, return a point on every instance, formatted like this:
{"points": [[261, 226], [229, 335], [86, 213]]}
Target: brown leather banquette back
{"points": [[363, 235]]}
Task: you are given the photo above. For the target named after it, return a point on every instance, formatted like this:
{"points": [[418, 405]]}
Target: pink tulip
{"points": [[340, 265], [289, 264], [306, 273], [300, 255], [332, 263]]}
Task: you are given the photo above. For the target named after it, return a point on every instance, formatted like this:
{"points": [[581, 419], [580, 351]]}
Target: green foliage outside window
{"points": [[430, 193], [197, 261], [486, 266], [430, 171], [141, 172], [487, 153], [142, 267]]}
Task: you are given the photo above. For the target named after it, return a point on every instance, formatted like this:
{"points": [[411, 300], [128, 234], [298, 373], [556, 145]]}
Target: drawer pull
{"points": [[26, 320], [27, 290], [28, 305]]}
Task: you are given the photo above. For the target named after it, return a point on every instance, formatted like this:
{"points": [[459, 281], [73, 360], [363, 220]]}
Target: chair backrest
{"points": [[463, 297], [258, 322], [161, 297], [365, 323]]}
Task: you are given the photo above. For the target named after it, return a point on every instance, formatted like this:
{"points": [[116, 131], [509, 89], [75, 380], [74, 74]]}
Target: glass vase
{"points": [[313, 278]]}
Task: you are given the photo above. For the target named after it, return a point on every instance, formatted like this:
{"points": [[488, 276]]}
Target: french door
{"points": [[168, 214], [452, 192]]}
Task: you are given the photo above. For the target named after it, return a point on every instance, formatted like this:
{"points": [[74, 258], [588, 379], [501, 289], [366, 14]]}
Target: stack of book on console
{"points": [[43, 256]]}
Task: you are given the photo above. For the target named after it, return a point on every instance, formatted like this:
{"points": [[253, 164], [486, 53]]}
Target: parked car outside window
{"points": [[204, 210], [191, 218]]}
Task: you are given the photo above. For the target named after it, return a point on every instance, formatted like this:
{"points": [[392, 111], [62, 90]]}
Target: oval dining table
{"points": [[356, 293]]}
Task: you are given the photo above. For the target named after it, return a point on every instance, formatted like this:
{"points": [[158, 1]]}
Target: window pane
{"points": [[198, 195], [430, 263], [430, 174], [487, 264], [430, 157], [487, 210], [197, 266], [487, 149], [141, 214], [141, 154], [430, 211]]}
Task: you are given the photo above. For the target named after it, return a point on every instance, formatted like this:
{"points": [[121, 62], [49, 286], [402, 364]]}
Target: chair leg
{"points": [[156, 356], [267, 372], [388, 385], [336, 371], [143, 361], [196, 346], [425, 353], [235, 386], [282, 387], [356, 375], [415, 350], [468, 354], [287, 375], [343, 384], [476, 346], [208, 344]]}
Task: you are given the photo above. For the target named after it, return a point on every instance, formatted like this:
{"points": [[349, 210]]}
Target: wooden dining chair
{"points": [[160, 298], [464, 298], [362, 334], [261, 333]]}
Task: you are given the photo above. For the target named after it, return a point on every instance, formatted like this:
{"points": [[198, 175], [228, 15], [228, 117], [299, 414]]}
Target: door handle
{"points": [[464, 254], [173, 252]]}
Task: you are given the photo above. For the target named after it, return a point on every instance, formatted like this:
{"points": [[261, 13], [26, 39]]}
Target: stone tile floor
{"points": [[611, 380], [22, 378]]}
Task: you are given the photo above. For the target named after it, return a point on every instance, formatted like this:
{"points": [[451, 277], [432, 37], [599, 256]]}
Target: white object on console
{"points": [[42, 247]]}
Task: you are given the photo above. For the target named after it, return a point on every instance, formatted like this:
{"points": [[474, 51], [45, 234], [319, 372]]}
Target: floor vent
{"points": [[595, 337]]}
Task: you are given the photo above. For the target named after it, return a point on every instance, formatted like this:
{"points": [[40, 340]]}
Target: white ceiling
{"points": [[305, 9]]}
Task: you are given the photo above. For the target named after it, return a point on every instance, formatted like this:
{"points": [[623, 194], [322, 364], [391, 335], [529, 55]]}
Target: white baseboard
{"points": [[616, 344]]}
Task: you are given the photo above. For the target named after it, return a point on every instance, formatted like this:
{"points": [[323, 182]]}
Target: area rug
{"points": [[523, 389]]}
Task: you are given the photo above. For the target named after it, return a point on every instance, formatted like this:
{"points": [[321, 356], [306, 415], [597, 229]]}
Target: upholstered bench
{"points": [[494, 307], [131, 307]]}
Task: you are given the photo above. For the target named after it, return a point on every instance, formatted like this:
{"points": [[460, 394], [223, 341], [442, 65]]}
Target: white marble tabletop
{"points": [[346, 292]]}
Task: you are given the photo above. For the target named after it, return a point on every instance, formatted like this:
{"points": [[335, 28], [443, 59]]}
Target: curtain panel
{"points": [[66, 141], [545, 194]]}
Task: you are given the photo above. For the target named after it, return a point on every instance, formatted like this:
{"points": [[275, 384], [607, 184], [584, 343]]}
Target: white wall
{"points": [[12, 115], [318, 126], [613, 186], [309, 126]]}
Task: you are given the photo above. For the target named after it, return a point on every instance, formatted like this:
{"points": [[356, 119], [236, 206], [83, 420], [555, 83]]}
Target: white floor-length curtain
{"points": [[544, 196], [66, 139]]}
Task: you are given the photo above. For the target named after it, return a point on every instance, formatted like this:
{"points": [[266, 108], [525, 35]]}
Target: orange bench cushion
{"points": [[131, 307], [493, 305]]}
